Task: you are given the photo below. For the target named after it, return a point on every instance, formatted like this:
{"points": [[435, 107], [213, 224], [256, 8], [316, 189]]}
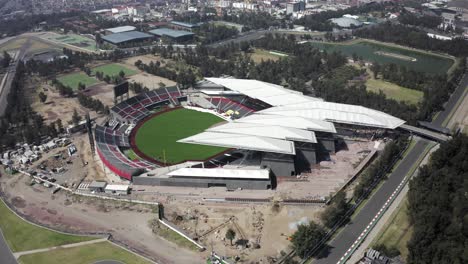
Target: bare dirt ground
{"points": [[56, 106], [127, 223], [150, 81]]}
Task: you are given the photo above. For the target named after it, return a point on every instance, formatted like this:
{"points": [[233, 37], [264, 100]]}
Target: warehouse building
{"points": [[129, 38], [119, 29], [178, 36], [183, 26]]}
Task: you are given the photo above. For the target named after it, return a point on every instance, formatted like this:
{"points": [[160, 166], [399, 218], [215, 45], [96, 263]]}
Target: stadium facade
{"points": [[270, 132]]}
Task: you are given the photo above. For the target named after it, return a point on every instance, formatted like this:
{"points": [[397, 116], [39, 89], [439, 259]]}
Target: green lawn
{"points": [[83, 254], [395, 91], [260, 55], [22, 236], [74, 79], [74, 40], [397, 231], [179, 240], [113, 69], [160, 134]]}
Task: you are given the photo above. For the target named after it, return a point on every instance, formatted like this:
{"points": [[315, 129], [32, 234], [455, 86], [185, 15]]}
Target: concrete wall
{"points": [[204, 182], [280, 165]]}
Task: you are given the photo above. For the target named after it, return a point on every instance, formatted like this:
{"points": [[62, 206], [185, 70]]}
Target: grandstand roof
{"points": [[122, 37], [121, 29], [238, 141], [289, 121], [340, 113], [221, 173], [269, 93], [170, 32], [269, 131]]}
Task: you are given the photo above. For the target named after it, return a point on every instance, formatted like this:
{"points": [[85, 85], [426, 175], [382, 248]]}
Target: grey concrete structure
{"points": [[280, 165], [203, 182]]}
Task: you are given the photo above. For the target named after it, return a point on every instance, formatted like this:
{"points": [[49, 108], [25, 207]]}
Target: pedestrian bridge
{"points": [[425, 133]]}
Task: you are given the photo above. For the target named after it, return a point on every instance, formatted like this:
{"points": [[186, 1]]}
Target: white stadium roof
{"points": [[293, 117], [271, 94], [269, 131], [340, 113], [289, 121], [221, 173], [237, 141]]}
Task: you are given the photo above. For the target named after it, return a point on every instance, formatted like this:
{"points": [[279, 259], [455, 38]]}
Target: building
{"points": [[97, 186], [448, 20], [119, 29], [173, 35], [129, 38], [293, 7], [183, 26], [346, 22], [118, 189]]}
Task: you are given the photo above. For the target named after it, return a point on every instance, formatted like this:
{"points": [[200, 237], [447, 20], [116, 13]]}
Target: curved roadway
{"points": [[343, 241], [6, 256]]}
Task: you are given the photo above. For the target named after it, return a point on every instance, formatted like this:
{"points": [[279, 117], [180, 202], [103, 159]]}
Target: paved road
{"points": [[351, 232], [452, 101], [6, 257], [5, 90], [346, 238]]}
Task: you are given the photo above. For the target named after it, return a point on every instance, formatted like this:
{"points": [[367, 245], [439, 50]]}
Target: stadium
{"points": [[227, 132]]}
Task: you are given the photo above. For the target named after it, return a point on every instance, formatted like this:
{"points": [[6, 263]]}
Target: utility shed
{"points": [[119, 189], [97, 186]]}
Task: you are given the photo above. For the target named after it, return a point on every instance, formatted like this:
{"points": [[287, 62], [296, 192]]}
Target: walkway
{"points": [[21, 253], [6, 256]]}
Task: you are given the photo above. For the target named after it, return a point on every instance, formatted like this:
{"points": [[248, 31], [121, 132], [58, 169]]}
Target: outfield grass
{"points": [[397, 231], [260, 55], [160, 134], [83, 254], [22, 236], [113, 69], [395, 91], [74, 79]]}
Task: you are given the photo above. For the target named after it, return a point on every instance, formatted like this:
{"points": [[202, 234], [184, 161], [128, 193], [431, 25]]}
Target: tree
{"points": [[122, 74], [42, 97], [59, 125], [336, 210], [306, 238], [107, 79], [81, 86], [230, 234], [6, 59], [76, 118]]}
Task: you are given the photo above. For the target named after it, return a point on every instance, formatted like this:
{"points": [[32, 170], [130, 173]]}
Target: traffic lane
{"points": [[451, 103], [6, 257], [338, 247]]}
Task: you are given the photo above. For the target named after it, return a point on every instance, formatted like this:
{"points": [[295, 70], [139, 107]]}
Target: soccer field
{"points": [[160, 134], [74, 79], [113, 69]]}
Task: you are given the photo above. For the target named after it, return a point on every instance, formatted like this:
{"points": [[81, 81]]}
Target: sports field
{"points": [[74, 79], [395, 91], [113, 69], [22, 236], [157, 138], [73, 39]]}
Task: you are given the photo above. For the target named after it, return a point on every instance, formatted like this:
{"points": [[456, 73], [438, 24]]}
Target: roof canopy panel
{"points": [[289, 121], [221, 173], [270, 131], [237, 141]]}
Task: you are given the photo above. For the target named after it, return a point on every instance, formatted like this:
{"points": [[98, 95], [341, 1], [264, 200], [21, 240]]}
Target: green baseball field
{"points": [[113, 69], [157, 137], [72, 80]]}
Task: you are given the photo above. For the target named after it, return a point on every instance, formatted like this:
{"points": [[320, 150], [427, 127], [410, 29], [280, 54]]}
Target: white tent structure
{"points": [[293, 117]]}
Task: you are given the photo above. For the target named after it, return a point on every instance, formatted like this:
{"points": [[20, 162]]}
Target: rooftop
{"points": [[183, 24], [346, 22], [170, 32], [221, 173], [121, 29], [126, 36]]}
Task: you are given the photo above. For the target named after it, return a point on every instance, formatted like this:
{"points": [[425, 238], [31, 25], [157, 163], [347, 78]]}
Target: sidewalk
{"points": [[21, 253]]}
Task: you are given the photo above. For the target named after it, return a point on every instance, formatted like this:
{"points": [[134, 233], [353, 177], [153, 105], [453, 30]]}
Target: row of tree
{"points": [[413, 37], [91, 103], [210, 33], [438, 206], [427, 21]]}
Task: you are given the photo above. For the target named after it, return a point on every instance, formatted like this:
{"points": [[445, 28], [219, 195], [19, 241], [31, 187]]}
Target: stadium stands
{"points": [[138, 107], [226, 105], [107, 143]]}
